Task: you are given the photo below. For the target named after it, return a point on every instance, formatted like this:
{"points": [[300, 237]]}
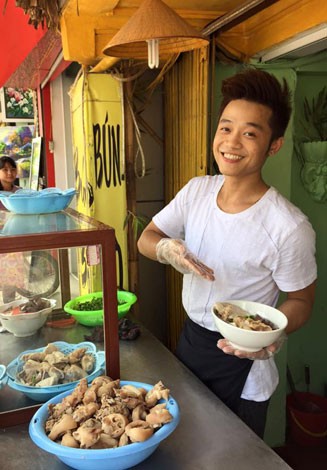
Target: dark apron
{"points": [[224, 374]]}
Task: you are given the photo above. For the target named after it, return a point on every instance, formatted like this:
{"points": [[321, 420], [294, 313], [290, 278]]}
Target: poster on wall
{"points": [[17, 104], [99, 160], [35, 163], [16, 142]]}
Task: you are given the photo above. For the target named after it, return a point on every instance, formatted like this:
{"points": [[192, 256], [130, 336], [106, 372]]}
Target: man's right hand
{"points": [[174, 252]]}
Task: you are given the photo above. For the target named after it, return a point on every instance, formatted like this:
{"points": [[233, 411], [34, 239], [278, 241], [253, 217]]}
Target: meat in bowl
{"points": [[261, 325], [242, 319]]}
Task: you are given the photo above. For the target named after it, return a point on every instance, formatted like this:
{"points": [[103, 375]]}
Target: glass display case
{"points": [[44, 245]]}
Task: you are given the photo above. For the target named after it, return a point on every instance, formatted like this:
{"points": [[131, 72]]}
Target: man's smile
{"points": [[231, 156]]}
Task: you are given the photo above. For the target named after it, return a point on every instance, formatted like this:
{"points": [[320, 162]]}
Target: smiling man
{"points": [[234, 237]]}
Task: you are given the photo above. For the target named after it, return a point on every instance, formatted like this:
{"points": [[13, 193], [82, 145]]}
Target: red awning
{"points": [[17, 39], [27, 54]]}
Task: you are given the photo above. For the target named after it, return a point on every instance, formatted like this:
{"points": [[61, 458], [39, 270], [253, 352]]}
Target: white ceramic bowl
{"points": [[248, 340], [25, 324]]}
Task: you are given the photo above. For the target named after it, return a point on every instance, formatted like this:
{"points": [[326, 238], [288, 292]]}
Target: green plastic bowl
{"points": [[95, 317]]}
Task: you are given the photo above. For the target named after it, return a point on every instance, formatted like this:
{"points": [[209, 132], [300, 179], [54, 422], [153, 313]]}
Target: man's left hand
{"points": [[262, 354]]}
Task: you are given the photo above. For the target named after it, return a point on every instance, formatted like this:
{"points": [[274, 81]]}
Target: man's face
{"points": [[242, 140]]}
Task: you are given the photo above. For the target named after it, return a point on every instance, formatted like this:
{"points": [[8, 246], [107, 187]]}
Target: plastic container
{"points": [[95, 317], [3, 378], [307, 417], [119, 458], [42, 394], [38, 202]]}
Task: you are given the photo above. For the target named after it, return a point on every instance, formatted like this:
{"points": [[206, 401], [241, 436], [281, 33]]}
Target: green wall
{"points": [[308, 345]]}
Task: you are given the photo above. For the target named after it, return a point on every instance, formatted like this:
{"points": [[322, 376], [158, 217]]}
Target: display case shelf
{"points": [[62, 231]]}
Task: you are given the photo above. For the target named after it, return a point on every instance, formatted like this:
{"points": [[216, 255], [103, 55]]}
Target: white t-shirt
{"points": [[255, 254]]}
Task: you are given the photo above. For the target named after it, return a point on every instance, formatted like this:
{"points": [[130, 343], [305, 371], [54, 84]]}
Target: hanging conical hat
{"points": [[154, 20]]}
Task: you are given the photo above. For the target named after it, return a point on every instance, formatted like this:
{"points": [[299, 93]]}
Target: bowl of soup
{"points": [[248, 326]]}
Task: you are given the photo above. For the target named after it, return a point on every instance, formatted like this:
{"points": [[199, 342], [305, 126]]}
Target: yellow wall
{"points": [[99, 160], [277, 23], [85, 34]]}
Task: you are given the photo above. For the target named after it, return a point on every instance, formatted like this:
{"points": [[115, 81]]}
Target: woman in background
{"points": [[11, 264], [8, 175]]}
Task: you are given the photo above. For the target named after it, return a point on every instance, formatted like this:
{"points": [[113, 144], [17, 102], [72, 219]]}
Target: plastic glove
{"points": [[262, 354], [174, 252]]}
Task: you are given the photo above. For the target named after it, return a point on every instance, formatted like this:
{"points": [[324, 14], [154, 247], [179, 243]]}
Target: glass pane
{"points": [[29, 281], [19, 224]]}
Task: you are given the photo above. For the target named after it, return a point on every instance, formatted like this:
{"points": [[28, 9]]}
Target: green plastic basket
{"points": [[125, 300]]}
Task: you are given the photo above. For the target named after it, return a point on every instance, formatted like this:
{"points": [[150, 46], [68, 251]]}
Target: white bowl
{"points": [[248, 340], [25, 324]]}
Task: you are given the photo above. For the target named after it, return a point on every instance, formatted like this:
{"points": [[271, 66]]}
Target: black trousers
{"points": [[224, 374]]}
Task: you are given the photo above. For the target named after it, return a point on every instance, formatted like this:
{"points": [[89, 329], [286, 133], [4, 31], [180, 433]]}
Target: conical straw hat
{"points": [[154, 20]]}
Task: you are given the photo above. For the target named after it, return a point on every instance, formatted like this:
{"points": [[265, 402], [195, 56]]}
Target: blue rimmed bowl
{"points": [[118, 458], [3, 378], [42, 394]]}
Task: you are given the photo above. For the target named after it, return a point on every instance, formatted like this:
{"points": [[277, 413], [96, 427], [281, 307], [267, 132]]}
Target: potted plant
{"points": [[138, 223], [313, 146], [315, 117]]}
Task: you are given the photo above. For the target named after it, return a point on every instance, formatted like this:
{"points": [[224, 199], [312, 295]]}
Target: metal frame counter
{"points": [[209, 436]]}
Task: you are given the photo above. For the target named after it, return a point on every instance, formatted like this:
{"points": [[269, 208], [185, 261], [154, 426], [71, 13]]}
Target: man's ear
{"points": [[276, 145]]}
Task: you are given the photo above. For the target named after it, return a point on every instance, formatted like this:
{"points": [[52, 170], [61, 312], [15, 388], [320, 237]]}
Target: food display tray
{"points": [[46, 393], [117, 458]]}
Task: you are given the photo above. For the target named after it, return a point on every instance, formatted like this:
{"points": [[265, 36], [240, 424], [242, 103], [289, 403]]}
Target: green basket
{"points": [[125, 300]]}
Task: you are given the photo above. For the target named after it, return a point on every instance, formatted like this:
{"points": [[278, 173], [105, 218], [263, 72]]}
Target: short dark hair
{"points": [[260, 87], [4, 160]]}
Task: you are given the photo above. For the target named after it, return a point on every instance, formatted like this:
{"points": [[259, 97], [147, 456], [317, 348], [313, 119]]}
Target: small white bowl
{"points": [[24, 324], [248, 340]]}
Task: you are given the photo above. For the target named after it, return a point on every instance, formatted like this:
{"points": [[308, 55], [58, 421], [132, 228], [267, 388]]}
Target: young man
{"points": [[234, 237]]}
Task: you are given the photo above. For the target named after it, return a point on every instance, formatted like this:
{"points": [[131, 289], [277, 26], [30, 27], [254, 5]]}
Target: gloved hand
{"points": [[174, 252], [262, 354]]}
